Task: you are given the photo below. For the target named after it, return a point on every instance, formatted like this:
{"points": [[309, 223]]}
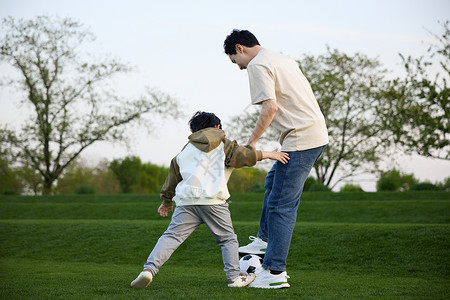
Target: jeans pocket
{"points": [[310, 156]]}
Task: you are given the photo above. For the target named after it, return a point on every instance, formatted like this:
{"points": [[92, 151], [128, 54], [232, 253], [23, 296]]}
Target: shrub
{"points": [[10, 183], [393, 180], [387, 184], [309, 181], [351, 188], [85, 189], [318, 187], [9, 192], [425, 186]]}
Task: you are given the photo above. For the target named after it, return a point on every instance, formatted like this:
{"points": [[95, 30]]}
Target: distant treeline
{"points": [[131, 176]]}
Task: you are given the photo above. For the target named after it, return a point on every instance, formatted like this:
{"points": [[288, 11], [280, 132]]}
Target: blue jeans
{"points": [[283, 188]]}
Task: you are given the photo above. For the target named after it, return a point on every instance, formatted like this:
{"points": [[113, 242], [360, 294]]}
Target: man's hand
{"points": [[163, 210], [282, 157]]}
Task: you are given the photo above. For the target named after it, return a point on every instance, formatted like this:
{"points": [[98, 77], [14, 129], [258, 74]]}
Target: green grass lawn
{"points": [[345, 246]]}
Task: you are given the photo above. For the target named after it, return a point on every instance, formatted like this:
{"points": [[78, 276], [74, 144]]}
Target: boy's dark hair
{"points": [[201, 120], [242, 37]]}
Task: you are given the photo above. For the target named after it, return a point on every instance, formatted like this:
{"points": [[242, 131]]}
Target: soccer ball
{"points": [[249, 263]]}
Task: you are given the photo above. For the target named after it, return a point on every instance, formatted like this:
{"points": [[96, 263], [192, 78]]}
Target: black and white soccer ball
{"points": [[249, 263]]}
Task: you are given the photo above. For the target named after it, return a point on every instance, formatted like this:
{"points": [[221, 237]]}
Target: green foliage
{"points": [[85, 189], [80, 178], [31, 179], [127, 171], [153, 178], [247, 180], [394, 180], [425, 186], [351, 188], [10, 183], [308, 182], [137, 177], [344, 246], [319, 187]]}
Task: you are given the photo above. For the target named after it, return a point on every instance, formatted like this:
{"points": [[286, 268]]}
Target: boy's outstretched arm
{"points": [[282, 157], [240, 156]]}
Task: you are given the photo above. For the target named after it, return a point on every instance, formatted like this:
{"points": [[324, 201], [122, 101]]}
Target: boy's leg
{"points": [[218, 220], [184, 222]]}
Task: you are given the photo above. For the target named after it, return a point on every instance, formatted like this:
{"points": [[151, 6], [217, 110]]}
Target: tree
{"points": [[394, 180], [128, 172], [348, 89], [104, 180], [31, 179], [75, 175], [152, 178], [10, 183], [247, 180], [72, 106], [418, 110], [137, 177], [78, 176]]}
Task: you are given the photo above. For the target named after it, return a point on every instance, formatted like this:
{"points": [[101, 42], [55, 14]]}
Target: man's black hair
{"points": [[242, 37], [201, 120]]}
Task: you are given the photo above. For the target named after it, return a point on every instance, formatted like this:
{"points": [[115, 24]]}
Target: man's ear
{"points": [[239, 48]]}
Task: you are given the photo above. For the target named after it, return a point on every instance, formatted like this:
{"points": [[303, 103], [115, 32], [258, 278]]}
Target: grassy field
{"points": [[345, 246]]}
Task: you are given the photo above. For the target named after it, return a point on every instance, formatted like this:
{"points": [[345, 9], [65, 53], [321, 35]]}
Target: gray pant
{"points": [[185, 220]]}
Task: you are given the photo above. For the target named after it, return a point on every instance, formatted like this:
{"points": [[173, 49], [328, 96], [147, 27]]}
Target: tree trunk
{"points": [[47, 187]]}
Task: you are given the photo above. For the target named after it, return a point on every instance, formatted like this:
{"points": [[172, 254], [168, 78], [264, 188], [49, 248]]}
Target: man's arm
{"points": [[268, 111]]}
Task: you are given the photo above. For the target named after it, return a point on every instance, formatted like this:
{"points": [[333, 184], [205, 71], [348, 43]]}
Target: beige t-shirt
{"points": [[298, 119]]}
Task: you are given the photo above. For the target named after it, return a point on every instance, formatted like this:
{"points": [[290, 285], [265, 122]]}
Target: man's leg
{"points": [[184, 222], [283, 203], [263, 229]]}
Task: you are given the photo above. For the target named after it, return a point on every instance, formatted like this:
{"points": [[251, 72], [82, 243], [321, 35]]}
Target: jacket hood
{"points": [[207, 139]]}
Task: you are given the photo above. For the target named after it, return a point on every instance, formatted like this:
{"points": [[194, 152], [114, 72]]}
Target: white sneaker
{"points": [[265, 280], [142, 281], [257, 246], [258, 271], [242, 280]]}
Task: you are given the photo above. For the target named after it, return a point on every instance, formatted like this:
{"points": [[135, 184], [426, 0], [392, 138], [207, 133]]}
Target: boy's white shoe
{"points": [[242, 280], [143, 280], [257, 246], [266, 280]]}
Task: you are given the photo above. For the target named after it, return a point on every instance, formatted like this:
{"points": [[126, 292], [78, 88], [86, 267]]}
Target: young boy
{"points": [[197, 183]]}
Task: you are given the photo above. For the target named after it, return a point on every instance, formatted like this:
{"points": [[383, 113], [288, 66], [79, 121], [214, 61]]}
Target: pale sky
{"points": [[176, 47]]}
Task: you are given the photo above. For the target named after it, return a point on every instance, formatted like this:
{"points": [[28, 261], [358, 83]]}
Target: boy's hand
{"points": [[163, 210], [282, 157]]}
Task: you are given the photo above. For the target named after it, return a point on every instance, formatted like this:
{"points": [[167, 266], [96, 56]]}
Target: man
{"points": [[288, 103]]}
